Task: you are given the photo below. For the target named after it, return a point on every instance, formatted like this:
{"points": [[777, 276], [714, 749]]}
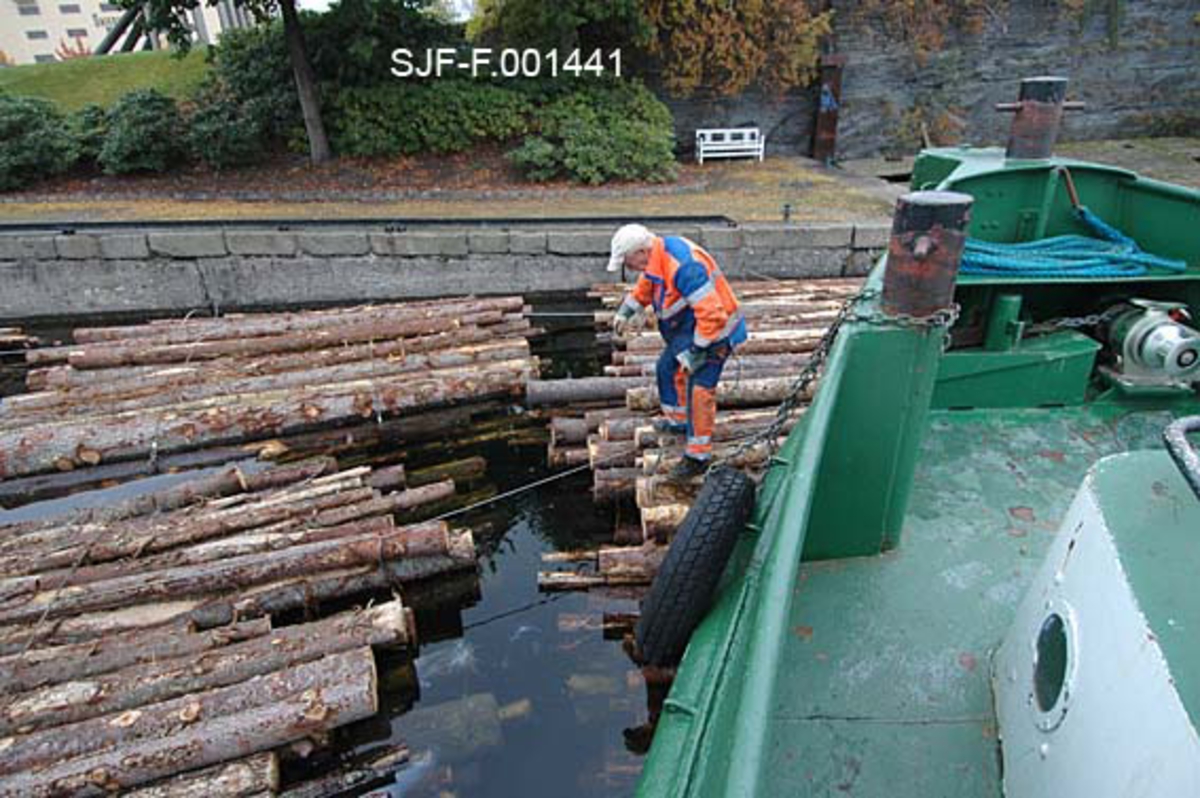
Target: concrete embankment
{"points": [[155, 270]]}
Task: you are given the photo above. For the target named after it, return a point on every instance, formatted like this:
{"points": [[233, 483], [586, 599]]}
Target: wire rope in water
{"points": [[1110, 253]]}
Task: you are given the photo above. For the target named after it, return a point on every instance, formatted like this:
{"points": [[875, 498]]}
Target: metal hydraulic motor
{"points": [[1154, 343]]}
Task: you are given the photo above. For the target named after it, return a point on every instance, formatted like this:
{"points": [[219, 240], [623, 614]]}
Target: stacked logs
{"points": [[124, 393], [629, 458], [136, 641]]}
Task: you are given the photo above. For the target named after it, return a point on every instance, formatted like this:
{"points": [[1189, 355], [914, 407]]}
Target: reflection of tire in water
{"points": [[684, 586]]}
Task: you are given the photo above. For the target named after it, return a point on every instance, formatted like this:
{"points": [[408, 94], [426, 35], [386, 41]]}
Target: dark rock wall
{"points": [[1144, 80]]}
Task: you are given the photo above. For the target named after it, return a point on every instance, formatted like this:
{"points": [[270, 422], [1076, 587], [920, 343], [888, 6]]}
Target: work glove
{"points": [[623, 320], [692, 359]]}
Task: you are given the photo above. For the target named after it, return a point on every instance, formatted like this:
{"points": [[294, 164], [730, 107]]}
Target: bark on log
{"points": [[632, 562], [65, 377], [402, 503], [42, 748], [250, 325], [766, 342], [216, 577], [377, 766], [659, 523], [137, 353], [464, 470], [540, 393], [46, 666], [568, 431], [46, 447], [659, 490], [387, 625], [390, 478], [166, 617], [567, 457], [255, 542], [746, 393], [595, 418], [351, 697], [72, 545], [605, 455], [49, 486], [201, 382], [612, 484], [255, 775]]}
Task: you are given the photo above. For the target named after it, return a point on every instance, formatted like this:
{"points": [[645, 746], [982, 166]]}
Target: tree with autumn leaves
{"points": [[725, 47]]}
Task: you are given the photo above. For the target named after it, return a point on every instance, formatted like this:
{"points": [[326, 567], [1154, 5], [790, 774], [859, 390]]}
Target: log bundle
{"points": [[139, 645], [127, 393], [606, 422]]}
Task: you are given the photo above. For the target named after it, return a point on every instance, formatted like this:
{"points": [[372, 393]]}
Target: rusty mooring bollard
{"points": [[928, 233], [1039, 109]]}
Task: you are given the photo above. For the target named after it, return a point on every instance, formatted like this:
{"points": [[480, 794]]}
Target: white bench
{"points": [[729, 142]]}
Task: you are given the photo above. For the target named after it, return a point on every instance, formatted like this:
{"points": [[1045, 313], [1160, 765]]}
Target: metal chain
{"points": [[943, 318], [1074, 322]]}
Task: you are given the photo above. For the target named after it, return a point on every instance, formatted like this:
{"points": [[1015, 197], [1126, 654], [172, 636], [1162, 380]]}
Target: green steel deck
{"points": [[883, 676], [884, 689]]}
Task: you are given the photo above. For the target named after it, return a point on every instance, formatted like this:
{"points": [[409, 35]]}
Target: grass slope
{"points": [[103, 79]]}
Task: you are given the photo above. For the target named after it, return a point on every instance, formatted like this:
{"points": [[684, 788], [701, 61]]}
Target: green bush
{"points": [[251, 66], [223, 132], [90, 126], [601, 132], [450, 116], [35, 141], [144, 134]]}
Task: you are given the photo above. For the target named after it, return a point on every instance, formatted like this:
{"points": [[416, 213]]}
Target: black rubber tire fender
{"points": [[686, 582]]}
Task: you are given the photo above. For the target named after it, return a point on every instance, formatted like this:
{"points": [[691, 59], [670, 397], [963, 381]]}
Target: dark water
{"points": [[512, 692]]}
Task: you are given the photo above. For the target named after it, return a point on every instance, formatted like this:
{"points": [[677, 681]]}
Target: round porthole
{"points": [[1050, 662], [1053, 667]]}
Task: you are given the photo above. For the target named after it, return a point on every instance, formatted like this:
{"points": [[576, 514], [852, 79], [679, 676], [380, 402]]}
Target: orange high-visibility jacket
{"points": [[689, 294]]}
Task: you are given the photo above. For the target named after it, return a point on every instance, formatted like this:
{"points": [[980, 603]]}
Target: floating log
{"points": [[745, 393], [605, 455], [305, 592], [567, 457], [91, 441], [253, 776], [170, 617], [250, 325], [204, 381], [568, 431], [613, 484], [759, 343], [377, 766], [223, 575], [463, 470], [631, 563], [45, 666], [660, 522], [657, 490], [349, 697], [41, 748], [541, 393], [387, 625]]}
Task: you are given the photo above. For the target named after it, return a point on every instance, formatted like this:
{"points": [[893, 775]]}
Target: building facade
{"points": [[42, 31]]}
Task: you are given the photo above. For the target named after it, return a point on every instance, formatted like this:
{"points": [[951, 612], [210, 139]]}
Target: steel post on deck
{"points": [[882, 382], [1038, 117]]}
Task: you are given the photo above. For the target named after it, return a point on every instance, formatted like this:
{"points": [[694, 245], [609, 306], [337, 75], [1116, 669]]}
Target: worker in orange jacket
{"points": [[698, 317]]}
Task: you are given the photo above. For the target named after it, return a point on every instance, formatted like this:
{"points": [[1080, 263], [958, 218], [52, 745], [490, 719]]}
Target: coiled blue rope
{"points": [[1110, 254]]}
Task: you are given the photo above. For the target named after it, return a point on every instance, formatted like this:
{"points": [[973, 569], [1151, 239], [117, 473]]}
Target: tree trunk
{"points": [[380, 765], [306, 84], [387, 625], [584, 389], [350, 696], [612, 484], [252, 776], [45, 666], [208, 579], [746, 393], [659, 523], [40, 748]]}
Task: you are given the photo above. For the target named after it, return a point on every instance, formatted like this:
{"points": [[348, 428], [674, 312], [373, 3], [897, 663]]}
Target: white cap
{"points": [[629, 238]]}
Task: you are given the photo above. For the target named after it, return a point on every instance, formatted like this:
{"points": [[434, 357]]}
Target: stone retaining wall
{"points": [[169, 271]]}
